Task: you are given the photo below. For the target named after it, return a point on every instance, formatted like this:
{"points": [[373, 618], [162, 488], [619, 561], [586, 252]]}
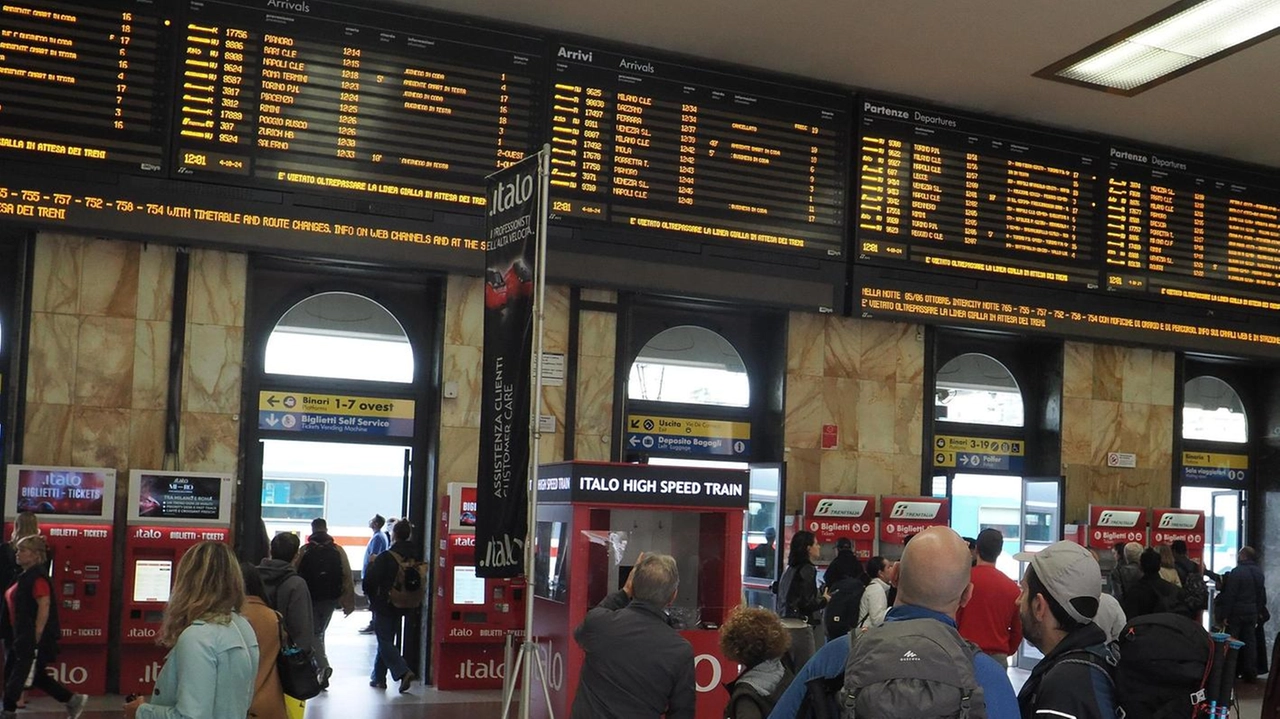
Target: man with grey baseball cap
{"points": [[1058, 604]]}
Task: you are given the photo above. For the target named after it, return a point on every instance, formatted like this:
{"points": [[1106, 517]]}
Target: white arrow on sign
{"points": [[271, 419], [633, 441]]}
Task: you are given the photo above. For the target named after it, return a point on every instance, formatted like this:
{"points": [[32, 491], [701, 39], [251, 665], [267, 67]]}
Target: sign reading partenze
{"points": [[642, 484]]}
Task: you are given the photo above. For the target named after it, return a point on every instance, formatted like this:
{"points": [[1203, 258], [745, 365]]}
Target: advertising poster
{"points": [[834, 516], [1108, 525], [61, 492], [510, 267], [1170, 525], [179, 497], [902, 517]]}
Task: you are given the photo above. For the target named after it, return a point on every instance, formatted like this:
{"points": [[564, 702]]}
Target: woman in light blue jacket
{"points": [[210, 671]]}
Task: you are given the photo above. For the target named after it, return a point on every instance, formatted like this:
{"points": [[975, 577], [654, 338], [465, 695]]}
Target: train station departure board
{"points": [[348, 98], [1182, 228], [86, 83], [966, 195], [662, 148]]}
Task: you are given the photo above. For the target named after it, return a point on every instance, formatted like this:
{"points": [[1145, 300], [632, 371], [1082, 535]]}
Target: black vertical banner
{"points": [[510, 265]]}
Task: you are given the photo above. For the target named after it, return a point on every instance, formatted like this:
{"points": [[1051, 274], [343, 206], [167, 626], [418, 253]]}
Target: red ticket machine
{"points": [[473, 615], [169, 512], [593, 521], [75, 506]]}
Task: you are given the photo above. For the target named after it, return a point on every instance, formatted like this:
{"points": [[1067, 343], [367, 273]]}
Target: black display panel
{"points": [[971, 196], [86, 84], [1187, 229], [663, 149], [352, 99]]}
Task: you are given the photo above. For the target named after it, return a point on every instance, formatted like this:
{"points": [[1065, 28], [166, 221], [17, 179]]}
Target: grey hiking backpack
{"points": [[911, 669]]}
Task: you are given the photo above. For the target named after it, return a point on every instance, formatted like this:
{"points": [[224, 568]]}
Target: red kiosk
{"points": [[592, 522], [75, 507], [169, 512], [473, 615]]}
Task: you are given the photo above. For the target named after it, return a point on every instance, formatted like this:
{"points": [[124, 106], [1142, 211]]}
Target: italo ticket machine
{"points": [[473, 615], [592, 522], [75, 507], [168, 513]]}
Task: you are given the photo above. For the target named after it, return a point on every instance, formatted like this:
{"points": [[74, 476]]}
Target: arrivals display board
{"points": [[667, 149]]}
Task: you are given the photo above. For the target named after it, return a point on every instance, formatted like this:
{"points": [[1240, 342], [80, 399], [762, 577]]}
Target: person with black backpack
{"points": [[915, 664], [324, 566], [845, 582], [287, 592], [394, 580]]}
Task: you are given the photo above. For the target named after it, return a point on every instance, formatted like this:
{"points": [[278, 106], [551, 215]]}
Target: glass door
{"points": [[1041, 526]]}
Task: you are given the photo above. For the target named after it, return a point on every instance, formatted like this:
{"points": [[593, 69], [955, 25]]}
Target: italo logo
{"points": [[509, 194], [471, 669], [914, 510], [291, 5], [1118, 518], [840, 508], [71, 675], [468, 540], [148, 534], [144, 633], [1171, 520]]}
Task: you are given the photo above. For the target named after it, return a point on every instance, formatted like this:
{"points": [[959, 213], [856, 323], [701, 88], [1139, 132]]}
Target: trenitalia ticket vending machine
{"points": [[75, 507], [472, 615], [592, 522], [168, 513]]}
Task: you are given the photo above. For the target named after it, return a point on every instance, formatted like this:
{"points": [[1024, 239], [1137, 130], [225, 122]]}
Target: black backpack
{"points": [[1164, 665], [321, 569]]}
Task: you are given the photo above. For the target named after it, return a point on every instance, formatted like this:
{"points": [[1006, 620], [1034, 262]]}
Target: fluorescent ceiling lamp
{"points": [[1174, 41]]}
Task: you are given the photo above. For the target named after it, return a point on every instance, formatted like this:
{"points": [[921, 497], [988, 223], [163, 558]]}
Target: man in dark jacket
{"points": [[286, 592], [387, 617], [1152, 593], [1126, 572], [324, 566], [1058, 603], [1241, 606], [637, 665], [845, 582]]}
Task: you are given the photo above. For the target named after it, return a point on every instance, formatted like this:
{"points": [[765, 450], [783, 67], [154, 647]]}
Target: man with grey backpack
{"points": [[915, 664]]}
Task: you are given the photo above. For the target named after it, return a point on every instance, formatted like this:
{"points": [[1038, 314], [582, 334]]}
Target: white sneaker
{"points": [[75, 706]]}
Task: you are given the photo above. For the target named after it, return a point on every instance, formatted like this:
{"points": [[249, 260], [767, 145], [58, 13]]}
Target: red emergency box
{"points": [[473, 615], [593, 520], [75, 507], [169, 512]]}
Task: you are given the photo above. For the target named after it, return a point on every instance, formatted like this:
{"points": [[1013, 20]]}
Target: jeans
{"points": [[386, 627], [321, 613]]}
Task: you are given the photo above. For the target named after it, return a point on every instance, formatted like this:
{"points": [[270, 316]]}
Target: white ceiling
{"points": [[970, 54]]}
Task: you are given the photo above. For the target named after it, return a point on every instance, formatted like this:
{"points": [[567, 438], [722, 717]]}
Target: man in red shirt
{"points": [[990, 619]]}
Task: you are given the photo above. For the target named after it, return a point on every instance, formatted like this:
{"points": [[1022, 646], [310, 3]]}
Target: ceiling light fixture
{"points": [[1183, 37]]}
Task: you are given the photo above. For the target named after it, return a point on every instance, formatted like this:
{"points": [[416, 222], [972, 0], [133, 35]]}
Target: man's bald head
{"points": [[934, 572]]}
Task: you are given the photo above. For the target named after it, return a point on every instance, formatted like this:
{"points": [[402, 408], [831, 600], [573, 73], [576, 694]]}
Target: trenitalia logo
{"points": [[840, 508], [914, 510], [1171, 520], [1118, 518]]}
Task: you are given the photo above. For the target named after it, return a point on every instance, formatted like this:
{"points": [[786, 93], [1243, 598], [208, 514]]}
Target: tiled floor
{"points": [[350, 696]]}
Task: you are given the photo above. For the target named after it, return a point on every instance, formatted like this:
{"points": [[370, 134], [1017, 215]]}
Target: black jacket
{"points": [[1149, 595], [382, 574], [637, 666], [798, 596], [841, 613], [1244, 592], [19, 632], [1079, 688]]}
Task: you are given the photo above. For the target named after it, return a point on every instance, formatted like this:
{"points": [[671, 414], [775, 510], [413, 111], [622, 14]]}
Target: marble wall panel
{"points": [[459, 454], [878, 473], [1108, 369], [210, 441], [840, 400], [804, 474], [55, 281], [595, 396], [880, 350], [909, 348], [598, 334], [877, 407], [591, 447], [155, 282], [1077, 430], [216, 288], [907, 479], [109, 279], [146, 438], [555, 322], [1136, 365], [47, 434], [842, 354], [213, 372], [1077, 371], [100, 437], [1104, 423], [805, 346], [909, 419], [607, 297], [104, 362], [1141, 486], [1162, 378], [805, 411], [839, 472], [464, 365], [464, 311], [51, 358], [150, 364]]}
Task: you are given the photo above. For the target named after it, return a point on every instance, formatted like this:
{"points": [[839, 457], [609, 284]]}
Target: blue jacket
{"points": [[209, 674], [829, 661]]}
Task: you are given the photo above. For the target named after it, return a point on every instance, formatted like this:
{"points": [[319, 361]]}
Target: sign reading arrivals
{"points": [[633, 484], [335, 414]]}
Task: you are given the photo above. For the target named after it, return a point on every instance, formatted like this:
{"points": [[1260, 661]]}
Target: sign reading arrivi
{"points": [[511, 228]]}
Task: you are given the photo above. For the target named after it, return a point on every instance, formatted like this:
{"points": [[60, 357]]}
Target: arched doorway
{"points": [[1215, 464]]}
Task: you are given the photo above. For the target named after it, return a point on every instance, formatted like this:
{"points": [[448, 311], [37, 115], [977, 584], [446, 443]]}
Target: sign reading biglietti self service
{"points": [[335, 414]]}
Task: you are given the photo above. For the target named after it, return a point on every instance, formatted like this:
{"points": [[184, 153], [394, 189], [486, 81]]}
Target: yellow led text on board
{"points": [[335, 404]]}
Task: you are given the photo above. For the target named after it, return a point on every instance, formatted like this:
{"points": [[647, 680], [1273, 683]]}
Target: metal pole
{"points": [[535, 434]]}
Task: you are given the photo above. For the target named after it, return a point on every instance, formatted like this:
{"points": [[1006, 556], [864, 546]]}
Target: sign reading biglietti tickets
{"points": [[335, 414]]}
